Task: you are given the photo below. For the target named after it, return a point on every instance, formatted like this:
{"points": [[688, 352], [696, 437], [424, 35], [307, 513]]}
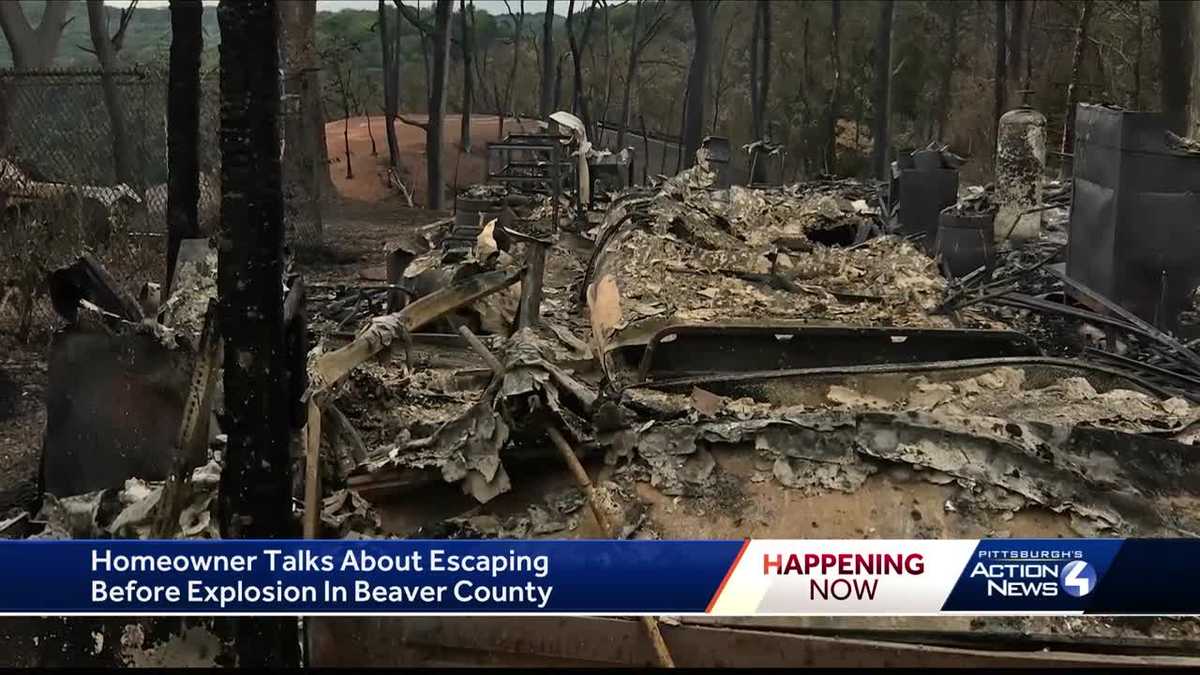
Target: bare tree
{"points": [[1192, 128], [693, 126], [1032, 10], [1016, 47], [836, 92], [1068, 140], [720, 86], [549, 80], [558, 80], [391, 97], [1000, 80], [424, 30], [954, 11], [255, 494], [306, 157], [437, 101], [518, 22], [183, 129], [608, 69], [439, 39], [105, 48], [1135, 94], [578, 49], [360, 99], [760, 67], [342, 76], [1175, 60], [33, 48], [883, 91], [638, 43], [467, 15]]}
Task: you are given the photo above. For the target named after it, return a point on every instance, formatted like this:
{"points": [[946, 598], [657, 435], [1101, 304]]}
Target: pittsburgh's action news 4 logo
{"points": [[1031, 574], [1078, 578]]}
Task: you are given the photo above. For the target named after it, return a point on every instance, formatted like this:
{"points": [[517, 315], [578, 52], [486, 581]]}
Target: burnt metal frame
{"points": [[993, 343], [548, 172], [930, 366]]}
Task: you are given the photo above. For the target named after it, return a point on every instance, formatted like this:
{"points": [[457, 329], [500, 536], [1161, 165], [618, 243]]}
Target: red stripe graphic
{"points": [[728, 573]]}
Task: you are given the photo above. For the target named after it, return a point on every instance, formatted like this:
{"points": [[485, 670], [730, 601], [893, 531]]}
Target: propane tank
{"points": [[1020, 164]]}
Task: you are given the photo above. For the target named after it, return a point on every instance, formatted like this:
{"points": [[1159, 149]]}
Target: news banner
{"points": [[479, 577]]}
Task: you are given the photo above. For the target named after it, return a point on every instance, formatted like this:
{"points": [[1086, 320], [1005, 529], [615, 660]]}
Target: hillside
{"points": [[148, 37]]}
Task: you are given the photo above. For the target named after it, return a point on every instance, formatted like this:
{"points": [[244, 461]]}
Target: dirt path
{"points": [[368, 183]]}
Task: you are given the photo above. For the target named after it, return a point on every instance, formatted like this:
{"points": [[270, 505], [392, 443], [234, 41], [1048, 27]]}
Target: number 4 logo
{"points": [[1077, 578]]}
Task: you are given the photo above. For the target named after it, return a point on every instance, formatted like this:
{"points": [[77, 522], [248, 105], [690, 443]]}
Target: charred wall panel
{"points": [[1135, 235]]}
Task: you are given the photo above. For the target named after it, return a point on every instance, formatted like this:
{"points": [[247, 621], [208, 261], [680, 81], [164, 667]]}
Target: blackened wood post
{"points": [[255, 483], [183, 129]]}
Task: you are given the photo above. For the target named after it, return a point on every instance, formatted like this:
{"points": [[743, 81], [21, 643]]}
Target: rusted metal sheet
{"points": [[399, 641]]}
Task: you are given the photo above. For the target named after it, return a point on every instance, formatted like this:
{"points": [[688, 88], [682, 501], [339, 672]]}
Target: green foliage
{"points": [[1120, 64]]}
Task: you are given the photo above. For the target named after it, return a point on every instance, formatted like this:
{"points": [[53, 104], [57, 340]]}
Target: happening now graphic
{"points": [[493, 577]]}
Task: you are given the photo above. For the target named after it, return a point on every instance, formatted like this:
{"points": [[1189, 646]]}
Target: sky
{"points": [[491, 6]]}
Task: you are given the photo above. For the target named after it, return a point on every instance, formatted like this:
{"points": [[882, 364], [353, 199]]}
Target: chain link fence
{"points": [[69, 184]]}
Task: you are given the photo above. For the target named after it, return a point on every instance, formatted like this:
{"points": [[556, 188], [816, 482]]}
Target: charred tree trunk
{"points": [[391, 103], [549, 81], [764, 97], [468, 31], [831, 122], [608, 69], [518, 25], [760, 83], [255, 494], [437, 102], [883, 91], [183, 129], [306, 157], [1175, 61], [106, 53], [1068, 139], [1033, 7], [948, 67], [1000, 81], [1135, 96], [630, 74], [1192, 128], [578, 49], [693, 126], [755, 72], [1016, 49]]}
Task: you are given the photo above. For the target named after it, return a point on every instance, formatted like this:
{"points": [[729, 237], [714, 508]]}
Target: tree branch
{"points": [[414, 18], [413, 123], [126, 16]]}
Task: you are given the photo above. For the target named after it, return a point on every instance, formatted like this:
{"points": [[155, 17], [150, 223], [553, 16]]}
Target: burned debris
{"points": [[703, 321], [681, 359], [690, 338]]}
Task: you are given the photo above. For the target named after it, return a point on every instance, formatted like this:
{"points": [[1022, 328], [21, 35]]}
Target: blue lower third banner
{"points": [[752, 577]]}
